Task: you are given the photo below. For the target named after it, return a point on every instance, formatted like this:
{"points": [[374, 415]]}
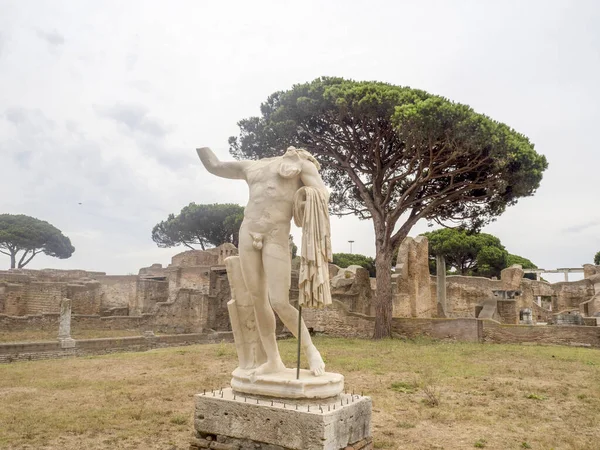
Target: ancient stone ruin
{"points": [[190, 295]]}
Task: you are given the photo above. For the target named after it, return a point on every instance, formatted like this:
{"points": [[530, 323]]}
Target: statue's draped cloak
{"points": [[312, 214]]}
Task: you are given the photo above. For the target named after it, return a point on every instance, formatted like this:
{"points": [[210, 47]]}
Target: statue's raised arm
{"points": [[224, 169]]}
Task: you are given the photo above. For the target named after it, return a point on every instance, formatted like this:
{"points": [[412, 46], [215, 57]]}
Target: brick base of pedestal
{"points": [[224, 420]]}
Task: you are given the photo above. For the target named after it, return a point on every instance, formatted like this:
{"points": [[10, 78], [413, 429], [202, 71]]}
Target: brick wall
{"points": [[56, 275], [45, 297], [570, 295], [591, 308], [149, 293], [186, 314], [337, 320], [463, 294], [552, 334], [197, 277], [459, 329], [119, 291], [51, 350], [217, 317], [491, 331], [540, 314], [15, 299], [136, 324], [507, 311], [14, 277], [44, 322], [155, 270], [86, 298], [208, 257]]}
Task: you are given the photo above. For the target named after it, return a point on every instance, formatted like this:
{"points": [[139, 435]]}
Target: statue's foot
{"points": [[268, 367], [315, 362]]}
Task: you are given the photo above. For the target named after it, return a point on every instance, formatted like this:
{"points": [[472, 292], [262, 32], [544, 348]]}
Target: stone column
{"points": [[441, 285], [64, 326], [566, 275]]}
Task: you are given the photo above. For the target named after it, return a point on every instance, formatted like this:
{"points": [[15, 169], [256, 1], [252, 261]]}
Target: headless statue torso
{"points": [[272, 183], [264, 256]]}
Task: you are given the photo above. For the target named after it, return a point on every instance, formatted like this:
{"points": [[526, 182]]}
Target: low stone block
{"points": [[332, 424], [68, 343]]}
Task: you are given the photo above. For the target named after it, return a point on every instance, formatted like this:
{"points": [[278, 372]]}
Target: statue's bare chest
{"points": [[265, 180]]}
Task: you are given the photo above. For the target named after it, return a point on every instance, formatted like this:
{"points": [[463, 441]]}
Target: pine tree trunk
{"points": [[13, 260], [383, 300]]}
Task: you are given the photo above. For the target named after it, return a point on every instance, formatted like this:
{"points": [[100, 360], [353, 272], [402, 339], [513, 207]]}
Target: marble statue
{"points": [[281, 188]]}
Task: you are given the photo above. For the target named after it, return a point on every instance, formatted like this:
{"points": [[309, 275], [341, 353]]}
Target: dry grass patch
{"points": [[488, 396]]}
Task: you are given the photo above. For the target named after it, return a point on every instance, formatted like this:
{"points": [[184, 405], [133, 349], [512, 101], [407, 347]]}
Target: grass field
{"points": [[426, 395]]}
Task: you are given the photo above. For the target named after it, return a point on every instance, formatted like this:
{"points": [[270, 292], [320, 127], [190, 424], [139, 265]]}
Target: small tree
{"points": [[467, 252], [523, 262], [597, 259], [20, 233], [471, 253], [396, 155], [204, 225], [354, 259]]}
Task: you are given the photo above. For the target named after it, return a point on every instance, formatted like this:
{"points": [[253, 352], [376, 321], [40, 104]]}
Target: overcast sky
{"points": [[103, 103]]}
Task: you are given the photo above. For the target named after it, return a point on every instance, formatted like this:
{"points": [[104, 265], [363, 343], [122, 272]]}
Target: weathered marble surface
{"points": [[260, 276]]}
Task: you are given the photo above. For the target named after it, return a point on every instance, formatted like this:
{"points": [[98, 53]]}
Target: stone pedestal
{"points": [[64, 325], [225, 420]]}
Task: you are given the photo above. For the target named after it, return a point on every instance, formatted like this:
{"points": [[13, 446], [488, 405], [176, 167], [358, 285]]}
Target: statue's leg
{"points": [[277, 265], [255, 280]]}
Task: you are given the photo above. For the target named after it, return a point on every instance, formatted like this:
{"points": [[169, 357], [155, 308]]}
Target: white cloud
{"points": [[135, 118], [111, 115], [53, 37]]}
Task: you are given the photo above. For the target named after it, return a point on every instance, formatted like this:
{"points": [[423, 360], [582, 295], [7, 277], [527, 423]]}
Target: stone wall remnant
{"points": [[185, 297], [412, 294], [589, 270], [210, 257], [344, 276], [440, 264], [511, 277]]}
